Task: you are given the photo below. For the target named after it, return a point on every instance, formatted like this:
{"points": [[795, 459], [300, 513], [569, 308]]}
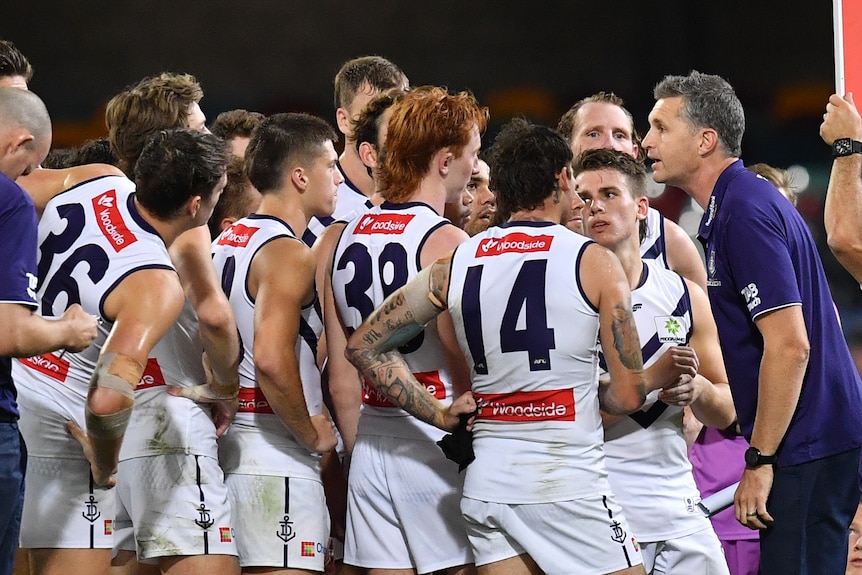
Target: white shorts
{"points": [[699, 553], [62, 507], [280, 521], [403, 507], [170, 505], [585, 536]]}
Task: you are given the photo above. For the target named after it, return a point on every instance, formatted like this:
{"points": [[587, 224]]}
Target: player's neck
{"points": [[355, 170], [629, 254], [549, 211], [431, 191], [290, 212], [168, 230]]}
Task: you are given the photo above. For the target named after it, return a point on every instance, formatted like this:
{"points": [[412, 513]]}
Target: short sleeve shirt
{"points": [[18, 223], [760, 257]]}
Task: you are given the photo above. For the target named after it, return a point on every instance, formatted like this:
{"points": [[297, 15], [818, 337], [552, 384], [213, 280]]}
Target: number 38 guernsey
{"points": [[529, 335], [378, 252]]}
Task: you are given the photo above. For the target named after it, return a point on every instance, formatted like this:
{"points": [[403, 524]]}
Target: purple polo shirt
{"points": [[18, 242], [760, 257]]}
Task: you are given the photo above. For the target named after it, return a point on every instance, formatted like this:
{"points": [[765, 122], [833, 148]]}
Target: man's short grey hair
{"points": [[708, 102], [24, 108]]}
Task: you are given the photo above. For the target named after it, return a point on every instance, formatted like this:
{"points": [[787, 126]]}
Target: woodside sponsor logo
{"points": [[111, 221]]}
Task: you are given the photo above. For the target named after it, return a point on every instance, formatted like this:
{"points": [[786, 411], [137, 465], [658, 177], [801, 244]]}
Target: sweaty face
{"points": [[459, 212], [323, 180], [611, 214], [484, 203], [602, 125], [671, 143], [599, 125], [463, 167]]}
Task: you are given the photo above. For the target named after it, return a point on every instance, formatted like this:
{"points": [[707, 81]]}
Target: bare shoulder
{"points": [[151, 292], [441, 242], [324, 245], [43, 184]]}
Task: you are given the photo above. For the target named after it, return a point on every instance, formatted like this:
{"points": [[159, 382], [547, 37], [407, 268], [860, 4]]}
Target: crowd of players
{"points": [[197, 406]]}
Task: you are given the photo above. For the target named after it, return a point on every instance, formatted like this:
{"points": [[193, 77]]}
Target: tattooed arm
{"points": [[606, 286], [399, 319]]}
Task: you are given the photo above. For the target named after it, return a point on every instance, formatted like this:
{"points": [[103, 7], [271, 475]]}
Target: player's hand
{"points": [[326, 440], [684, 391], [224, 405], [82, 328], [101, 477], [463, 405], [676, 362], [841, 119], [749, 502]]}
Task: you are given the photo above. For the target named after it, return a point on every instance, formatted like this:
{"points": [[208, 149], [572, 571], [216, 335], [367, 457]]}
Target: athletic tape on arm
{"points": [[117, 372], [110, 426], [421, 300]]}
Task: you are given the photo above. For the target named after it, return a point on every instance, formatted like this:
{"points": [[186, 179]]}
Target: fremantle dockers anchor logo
{"points": [[91, 510], [205, 521], [619, 534], [286, 533]]}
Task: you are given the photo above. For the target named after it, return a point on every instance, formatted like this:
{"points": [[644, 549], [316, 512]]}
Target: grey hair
{"points": [[24, 108], [708, 102]]}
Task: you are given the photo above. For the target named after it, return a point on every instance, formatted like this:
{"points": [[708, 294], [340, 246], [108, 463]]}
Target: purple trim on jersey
{"points": [[274, 218], [136, 215], [433, 228], [85, 182], [18, 228], [349, 183], [760, 256], [578, 276], [405, 206], [659, 248], [306, 332], [260, 247], [114, 285]]}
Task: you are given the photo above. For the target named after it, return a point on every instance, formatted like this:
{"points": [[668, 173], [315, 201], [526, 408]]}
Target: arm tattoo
{"points": [[389, 374], [625, 338]]}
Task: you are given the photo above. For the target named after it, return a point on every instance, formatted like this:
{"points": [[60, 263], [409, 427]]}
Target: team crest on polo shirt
{"points": [[710, 268], [670, 329]]}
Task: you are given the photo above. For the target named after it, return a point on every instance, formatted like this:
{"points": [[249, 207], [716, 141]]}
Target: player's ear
{"points": [[368, 155], [298, 178], [342, 118], [443, 160], [193, 205], [642, 207], [564, 180]]}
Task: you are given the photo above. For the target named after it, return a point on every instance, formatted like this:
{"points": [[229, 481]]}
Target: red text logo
{"points": [[252, 400], [48, 364], [152, 376], [111, 221], [238, 235], [551, 405], [383, 223], [430, 379], [515, 242]]}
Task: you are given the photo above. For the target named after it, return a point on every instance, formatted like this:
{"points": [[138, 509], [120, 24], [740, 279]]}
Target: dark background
{"points": [[531, 58]]}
